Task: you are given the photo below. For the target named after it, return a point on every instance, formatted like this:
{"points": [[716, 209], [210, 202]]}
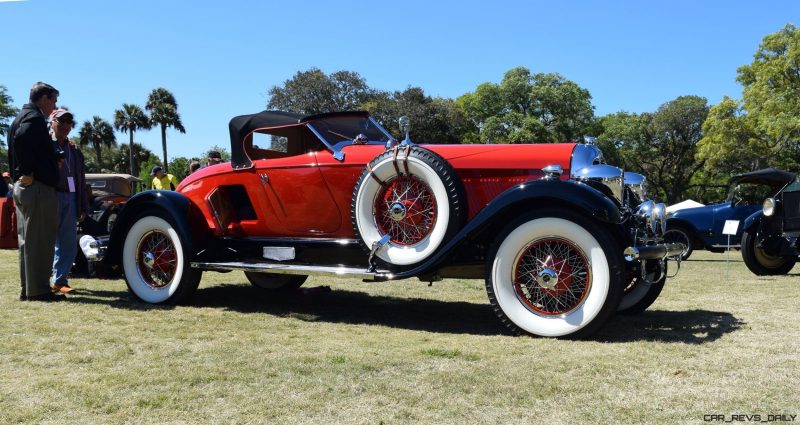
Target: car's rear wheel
{"points": [[759, 261], [555, 274], [642, 293], [680, 234], [155, 261], [275, 282], [414, 196]]}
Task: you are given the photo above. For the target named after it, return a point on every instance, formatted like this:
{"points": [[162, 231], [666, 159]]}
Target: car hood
{"points": [[532, 156]]}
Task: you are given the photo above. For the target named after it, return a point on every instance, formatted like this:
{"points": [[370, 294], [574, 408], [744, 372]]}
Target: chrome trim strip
{"points": [[297, 269]]}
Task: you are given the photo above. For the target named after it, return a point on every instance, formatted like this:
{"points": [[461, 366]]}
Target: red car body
{"points": [[309, 195]]}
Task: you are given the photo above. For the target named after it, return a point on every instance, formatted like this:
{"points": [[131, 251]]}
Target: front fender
{"points": [[752, 222], [174, 204], [517, 200]]}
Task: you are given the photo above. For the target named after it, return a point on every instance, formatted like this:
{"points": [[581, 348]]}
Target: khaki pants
{"points": [[37, 221]]}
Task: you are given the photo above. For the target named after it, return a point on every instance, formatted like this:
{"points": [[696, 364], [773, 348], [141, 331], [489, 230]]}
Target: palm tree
{"points": [[97, 133], [129, 119], [164, 112]]}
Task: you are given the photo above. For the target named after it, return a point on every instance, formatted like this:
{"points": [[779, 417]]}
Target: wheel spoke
{"points": [[552, 258], [418, 210], [156, 258]]}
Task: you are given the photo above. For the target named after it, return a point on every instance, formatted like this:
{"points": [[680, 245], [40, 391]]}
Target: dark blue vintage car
{"points": [[701, 227]]}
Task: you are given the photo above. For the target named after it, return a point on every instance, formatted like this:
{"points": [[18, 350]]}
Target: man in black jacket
{"points": [[34, 167]]}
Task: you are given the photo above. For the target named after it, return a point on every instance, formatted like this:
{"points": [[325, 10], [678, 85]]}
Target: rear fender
{"points": [[174, 204]]}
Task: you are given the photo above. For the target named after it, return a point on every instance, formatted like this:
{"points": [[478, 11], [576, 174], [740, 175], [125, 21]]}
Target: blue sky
{"points": [[220, 58]]}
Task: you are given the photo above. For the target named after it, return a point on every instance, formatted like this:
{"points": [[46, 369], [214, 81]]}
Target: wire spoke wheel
{"points": [[406, 210], [552, 276], [156, 259]]}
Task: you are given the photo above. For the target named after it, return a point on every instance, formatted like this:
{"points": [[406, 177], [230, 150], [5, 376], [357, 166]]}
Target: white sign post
{"points": [[731, 226]]}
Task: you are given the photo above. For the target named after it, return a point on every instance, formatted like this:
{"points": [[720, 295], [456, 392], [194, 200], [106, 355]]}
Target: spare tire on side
{"points": [[413, 195]]}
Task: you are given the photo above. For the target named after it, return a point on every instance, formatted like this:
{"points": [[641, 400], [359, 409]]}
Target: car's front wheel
{"points": [[680, 234], [759, 261], [275, 282], [642, 293], [155, 261], [555, 274]]}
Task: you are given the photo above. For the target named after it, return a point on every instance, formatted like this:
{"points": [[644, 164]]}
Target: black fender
{"points": [[753, 221], [527, 196], [174, 204]]}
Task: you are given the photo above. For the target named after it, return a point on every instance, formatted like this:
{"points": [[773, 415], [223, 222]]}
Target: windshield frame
{"points": [[336, 148]]}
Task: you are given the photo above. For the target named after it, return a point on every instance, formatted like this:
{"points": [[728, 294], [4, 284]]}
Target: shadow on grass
{"points": [[688, 327], [454, 317]]}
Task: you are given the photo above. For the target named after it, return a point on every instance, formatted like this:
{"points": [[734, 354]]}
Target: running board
{"points": [[298, 269]]}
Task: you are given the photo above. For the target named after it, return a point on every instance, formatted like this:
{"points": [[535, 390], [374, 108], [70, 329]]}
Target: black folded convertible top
{"points": [[766, 176]]}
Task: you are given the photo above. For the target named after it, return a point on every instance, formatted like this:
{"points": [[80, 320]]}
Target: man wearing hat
{"points": [[162, 181], [73, 204], [34, 166]]}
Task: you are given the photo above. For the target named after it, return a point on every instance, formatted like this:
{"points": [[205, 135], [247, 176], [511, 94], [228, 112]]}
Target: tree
{"points": [[226, 156], [314, 92], [97, 133], [763, 129], [771, 91], [433, 120], [7, 111], [164, 113], [661, 145], [130, 119], [527, 107]]}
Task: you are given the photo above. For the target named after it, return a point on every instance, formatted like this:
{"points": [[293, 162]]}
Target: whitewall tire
{"points": [[415, 199], [554, 274], [155, 262]]}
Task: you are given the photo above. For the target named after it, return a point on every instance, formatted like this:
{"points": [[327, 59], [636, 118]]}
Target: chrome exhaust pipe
{"points": [[653, 252]]}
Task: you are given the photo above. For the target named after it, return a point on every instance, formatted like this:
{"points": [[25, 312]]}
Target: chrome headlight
{"points": [[659, 219], [610, 176], [637, 183], [769, 206], [654, 216]]}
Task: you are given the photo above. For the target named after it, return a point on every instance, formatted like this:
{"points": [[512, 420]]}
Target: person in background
{"points": [[34, 166], [214, 158], [6, 188], [73, 204], [162, 181], [193, 166]]}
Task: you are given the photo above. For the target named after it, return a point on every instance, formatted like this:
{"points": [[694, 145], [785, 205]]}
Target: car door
{"points": [[298, 201]]}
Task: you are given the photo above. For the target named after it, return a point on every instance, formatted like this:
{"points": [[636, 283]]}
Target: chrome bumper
{"points": [[653, 252]]}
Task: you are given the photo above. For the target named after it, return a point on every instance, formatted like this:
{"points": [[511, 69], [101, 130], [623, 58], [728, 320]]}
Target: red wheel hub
{"points": [[552, 276], [405, 209], [156, 259]]}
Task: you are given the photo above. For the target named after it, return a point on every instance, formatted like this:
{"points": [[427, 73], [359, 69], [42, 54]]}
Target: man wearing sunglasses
{"points": [[73, 204]]}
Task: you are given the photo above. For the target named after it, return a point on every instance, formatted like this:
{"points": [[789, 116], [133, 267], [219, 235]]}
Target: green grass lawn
{"points": [[719, 341]]}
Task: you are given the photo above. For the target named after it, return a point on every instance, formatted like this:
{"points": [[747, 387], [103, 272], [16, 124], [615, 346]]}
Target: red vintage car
{"points": [[562, 240]]}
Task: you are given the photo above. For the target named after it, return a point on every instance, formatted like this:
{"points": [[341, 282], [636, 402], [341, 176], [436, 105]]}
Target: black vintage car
{"points": [[770, 238], [107, 195]]}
